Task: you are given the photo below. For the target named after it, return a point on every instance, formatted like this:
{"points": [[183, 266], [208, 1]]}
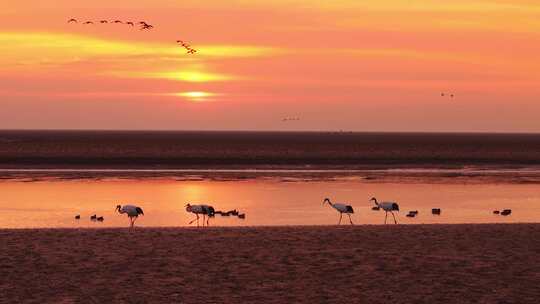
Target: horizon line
{"points": [[271, 131]]}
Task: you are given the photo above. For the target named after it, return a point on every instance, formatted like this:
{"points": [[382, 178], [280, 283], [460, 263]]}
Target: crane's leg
{"points": [[340, 216], [203, 219], [350, 220], [130, 222], [386, 216], [134, 219], [195, 219], [395, 222]]}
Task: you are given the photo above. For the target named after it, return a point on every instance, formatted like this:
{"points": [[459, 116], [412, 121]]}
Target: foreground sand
{"points": [[363, 264]]}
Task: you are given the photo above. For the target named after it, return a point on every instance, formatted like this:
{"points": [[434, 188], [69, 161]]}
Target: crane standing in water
{"points": [[132, 212], [341, 208], [387, 207], [205, 210]]}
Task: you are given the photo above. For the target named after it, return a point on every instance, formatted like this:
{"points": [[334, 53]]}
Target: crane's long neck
{"points": [[375, 202], [329, 202]]}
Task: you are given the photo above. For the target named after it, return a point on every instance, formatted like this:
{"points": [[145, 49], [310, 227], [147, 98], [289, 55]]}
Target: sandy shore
{"points": [[363, 264]]}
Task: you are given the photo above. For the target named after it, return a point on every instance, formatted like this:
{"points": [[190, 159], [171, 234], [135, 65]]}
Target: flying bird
{"points": [[341, 208], [184, 44], [387, 207], [103, 21], [117, 21], [93, 217], [88, 22], [146, 27], [130, 23], [100, 219], [72, 20], [191, 51], [132, 212]]}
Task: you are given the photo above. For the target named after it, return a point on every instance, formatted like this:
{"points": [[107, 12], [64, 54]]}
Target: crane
{"points": [[341, 208], [132, 212], [205, 210], [387, 207]]}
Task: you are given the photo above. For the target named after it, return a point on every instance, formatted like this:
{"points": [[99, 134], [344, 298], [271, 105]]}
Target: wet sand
{"points": [[363, 264]]}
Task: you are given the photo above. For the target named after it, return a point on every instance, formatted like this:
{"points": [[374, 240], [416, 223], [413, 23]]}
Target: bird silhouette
{"points": [[412, 213], [117, 21], [88, 22], [191, 51], [506, 212], [77, 217], [103, 21], [73, 20], [130, 23]]}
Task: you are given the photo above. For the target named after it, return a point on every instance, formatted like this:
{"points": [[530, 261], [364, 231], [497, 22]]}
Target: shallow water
{"points": [[54, 203]]}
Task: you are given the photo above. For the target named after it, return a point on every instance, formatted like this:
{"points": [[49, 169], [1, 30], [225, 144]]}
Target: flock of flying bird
{"points": [[208, 211], [143, 25], [451, 95], [285, 119]]}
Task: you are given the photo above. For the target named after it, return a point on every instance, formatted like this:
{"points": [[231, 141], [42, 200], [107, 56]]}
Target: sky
{"points": [[336, 65]]}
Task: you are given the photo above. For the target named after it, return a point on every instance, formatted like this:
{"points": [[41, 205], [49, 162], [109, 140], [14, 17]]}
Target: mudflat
{"points": [[490, 263]]}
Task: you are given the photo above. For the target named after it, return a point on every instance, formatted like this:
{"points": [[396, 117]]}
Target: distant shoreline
{"points": [[265, 150]]}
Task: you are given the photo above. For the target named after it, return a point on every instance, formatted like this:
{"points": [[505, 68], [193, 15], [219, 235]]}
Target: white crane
{"points": [[132, 212], [387, 207], [205, 210], [341, 208]]}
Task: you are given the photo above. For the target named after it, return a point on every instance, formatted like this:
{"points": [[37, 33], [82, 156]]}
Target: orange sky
{"points": [[349, 64]]}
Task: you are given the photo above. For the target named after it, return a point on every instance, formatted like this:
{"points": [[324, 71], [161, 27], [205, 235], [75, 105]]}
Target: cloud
{"points": [[59, 48]]}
